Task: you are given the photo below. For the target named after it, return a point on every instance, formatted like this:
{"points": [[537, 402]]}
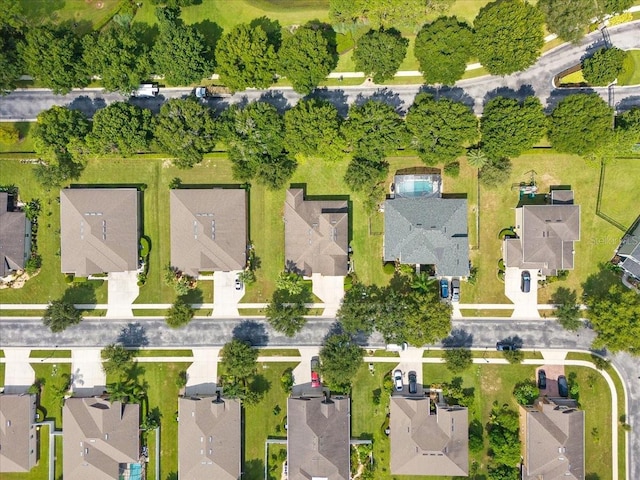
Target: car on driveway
{"points": [[444, 288], [238, 283], [315, 377], [525, 282], [397, 380], [455, 290], [563, 386], [505, 346], [542, 379], [413, 382]]}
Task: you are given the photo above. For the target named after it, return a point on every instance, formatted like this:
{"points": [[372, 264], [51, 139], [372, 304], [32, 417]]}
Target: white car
{"points": [[397, 380]]}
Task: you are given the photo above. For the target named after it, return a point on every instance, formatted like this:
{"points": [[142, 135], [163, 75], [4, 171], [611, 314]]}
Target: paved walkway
{"points": [[122, 290], [88, 377], [18, 374]]}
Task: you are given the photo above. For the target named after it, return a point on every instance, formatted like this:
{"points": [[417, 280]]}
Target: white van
{"points": [[146, 90]]}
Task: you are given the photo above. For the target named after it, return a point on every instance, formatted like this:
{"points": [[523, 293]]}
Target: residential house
{"points": [[318, 438], [629, 251], [316, 235], [15, 236], [545, 235], [208, 230], [423, 228], [209, 438], [101, 439], [553, 432], [18, 434], [428, 438], [100, 230]]}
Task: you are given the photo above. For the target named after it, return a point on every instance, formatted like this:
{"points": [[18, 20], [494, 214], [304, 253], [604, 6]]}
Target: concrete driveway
{"points": [[330, 290], [18, 374], [88, 378], [202, 374], [525, 305], [225, 295], [410, 360], [122, 290]]}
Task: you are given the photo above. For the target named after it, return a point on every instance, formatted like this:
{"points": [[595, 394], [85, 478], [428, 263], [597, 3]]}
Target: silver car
{"points": [[397, 380]]}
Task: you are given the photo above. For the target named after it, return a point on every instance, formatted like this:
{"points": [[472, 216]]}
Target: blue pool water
{"points": [[415, 188]]}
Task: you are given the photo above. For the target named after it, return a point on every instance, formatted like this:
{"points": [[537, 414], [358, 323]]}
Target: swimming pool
{"points": [[417, 185]]}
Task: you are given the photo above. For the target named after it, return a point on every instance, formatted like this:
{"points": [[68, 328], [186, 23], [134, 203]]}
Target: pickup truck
{"points": [[211, 91], [146, 90]]}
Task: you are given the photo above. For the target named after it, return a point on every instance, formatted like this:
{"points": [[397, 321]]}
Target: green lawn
{"points": [[631, 73], [25, 143], [50, 354], [86, 14], [2, 374]]}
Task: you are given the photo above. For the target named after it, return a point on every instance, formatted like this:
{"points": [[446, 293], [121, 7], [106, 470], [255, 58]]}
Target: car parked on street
{"points": [[413, 382], [444, 288], [563, 386], [397, 380], [505, 346], [542, 379]]}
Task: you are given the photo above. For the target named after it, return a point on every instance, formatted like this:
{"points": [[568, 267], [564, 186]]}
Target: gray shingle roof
{"points": [[209, 438], [99, 436], [99, 230], [18, 436], [316, 234], [428, 444], [14, 230], [629, 249], [208, 230], [554, 442], [318, 438], [431, 231]]}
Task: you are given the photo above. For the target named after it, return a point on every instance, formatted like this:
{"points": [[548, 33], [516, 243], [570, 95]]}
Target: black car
{"points": [[542, 379], [505, 346], [563, 386], [525, 283], [413, 382]]}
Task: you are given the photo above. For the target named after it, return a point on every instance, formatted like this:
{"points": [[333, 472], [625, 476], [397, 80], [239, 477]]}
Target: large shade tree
{"points": [[340, 359], [239, 358], [379, 53], [374, 129], [568, 18], [121, 127], [60, 315], [312, 129]]}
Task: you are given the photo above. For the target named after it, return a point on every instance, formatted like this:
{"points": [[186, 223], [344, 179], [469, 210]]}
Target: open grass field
{"points": [[631, 73], [83, 15]]}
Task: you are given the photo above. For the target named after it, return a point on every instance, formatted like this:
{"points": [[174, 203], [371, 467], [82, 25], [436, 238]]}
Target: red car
{"points": [[315, 378]]}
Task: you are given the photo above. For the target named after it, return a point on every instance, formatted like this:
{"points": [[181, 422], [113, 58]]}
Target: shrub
{"points": [[452, 169], [33, 264], [513, 356], [622, 18], [286, 380], [604, 66], [458, 359], [9, 134], [526, 392], [145, 247], [495, 172]]}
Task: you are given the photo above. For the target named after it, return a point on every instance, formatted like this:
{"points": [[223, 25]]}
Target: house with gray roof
{"points": [[208, 230], [426, 441], [545, 235], [15, 236], [318, 438], [553, 432], [629, 251], [316, 235], [18, 434], [101, 439], [209, 438], [428, 231], [99, 230]]}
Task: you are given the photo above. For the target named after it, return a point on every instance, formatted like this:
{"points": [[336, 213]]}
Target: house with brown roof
{"points": [[15, 236], [209, 438], [99, 230], [318, 438], [18, 434], [316, 235], [208, 230], [101, 439], [553, 447], [428, 439], [545, 235]]}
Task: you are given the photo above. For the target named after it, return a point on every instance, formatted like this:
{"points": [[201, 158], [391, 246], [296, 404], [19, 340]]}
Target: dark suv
{"points": [[505, 346], [525, 283], [413, 382]]}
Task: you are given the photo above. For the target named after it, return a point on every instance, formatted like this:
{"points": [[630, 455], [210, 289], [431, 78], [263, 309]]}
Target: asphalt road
{"points": [[537, 80]]}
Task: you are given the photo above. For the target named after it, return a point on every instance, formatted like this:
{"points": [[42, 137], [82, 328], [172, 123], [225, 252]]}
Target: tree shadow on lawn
{"points": [[272, 28], [254, 468], [212, 32], [598, 284], [80, 293]]}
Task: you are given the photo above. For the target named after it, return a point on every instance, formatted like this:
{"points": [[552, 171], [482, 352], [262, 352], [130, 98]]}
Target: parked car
{"points": [[525, 282], [455, 290], [542, 379], [397, 380], [238, 283], [444, 288], [413, 382], [146, 90], [563, 386], [315, 377], [505, 346]]}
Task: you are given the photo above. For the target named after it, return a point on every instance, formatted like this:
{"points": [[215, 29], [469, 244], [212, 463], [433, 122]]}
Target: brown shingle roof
{"points": [[18, 436], [14, 229], [209, 438], [99, 230], [99, 438], [318, 438], [316, 234], [554, 443], [208, 230], [428, 444]]}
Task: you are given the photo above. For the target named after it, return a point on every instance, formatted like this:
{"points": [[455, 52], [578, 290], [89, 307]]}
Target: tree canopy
{"points": [[457, 359], [121, 127], [508, 36], [245, 58], [306, 58], [604, 66], [10, 61], [60, 315], [568, 18], [440, 128], [340, 359], [312, 129], [119, 56], [286, 315], [509, 127], [386, 13], [180, 314], [57, 127], [374, 129], [180, 52], [379, 53], [53, 55], [579, 123], [495, 172], [567, 308], [442, 49], [239, 358], [117, 359], [185, 129]]}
